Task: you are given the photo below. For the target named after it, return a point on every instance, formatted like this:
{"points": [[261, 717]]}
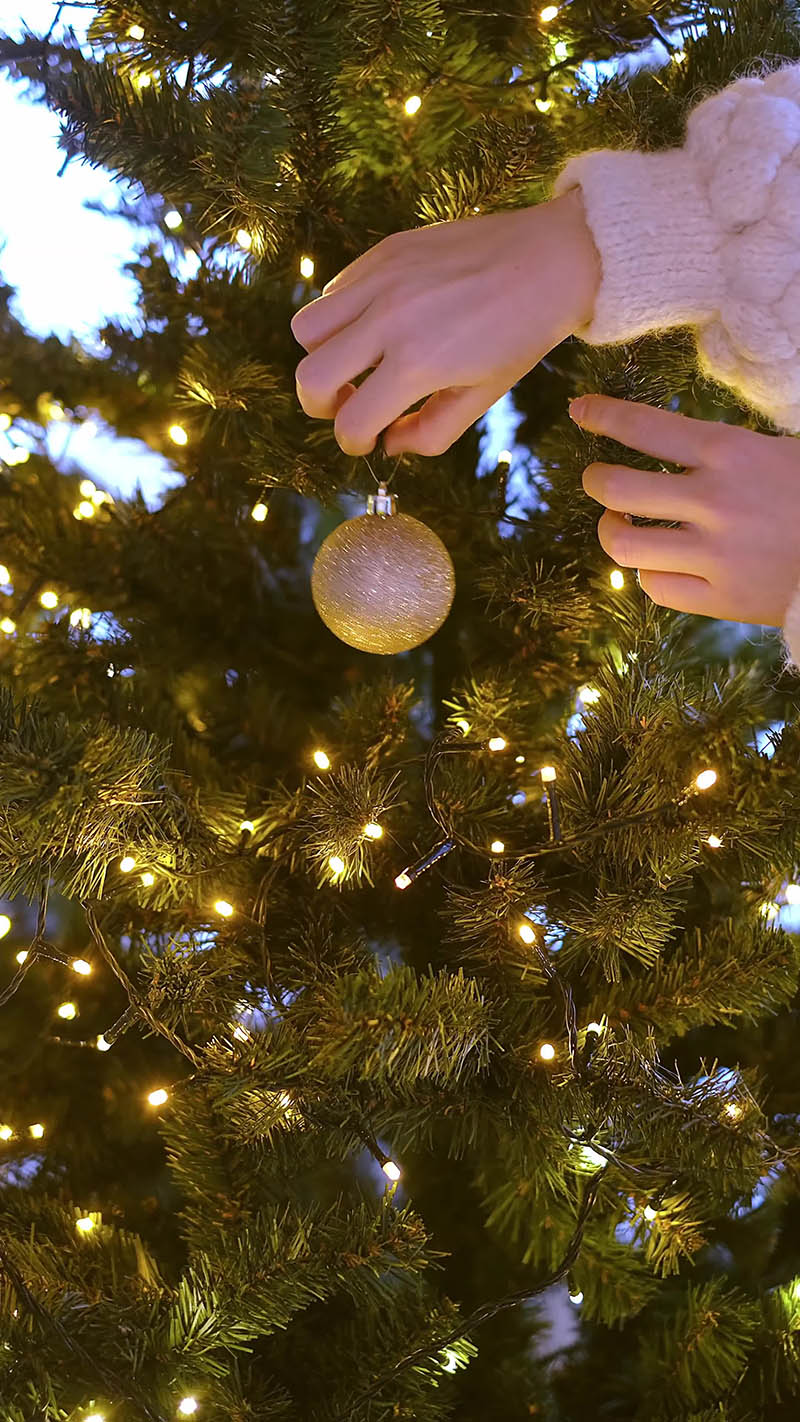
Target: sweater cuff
{"points": [[651, 220], [791, 630]]}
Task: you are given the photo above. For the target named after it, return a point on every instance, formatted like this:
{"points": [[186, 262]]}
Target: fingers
{"points": [[360, 419], [665, 435], [322, 318], [321, 375], [650, 495], [671, 550], [680, 591], [441, 421]]}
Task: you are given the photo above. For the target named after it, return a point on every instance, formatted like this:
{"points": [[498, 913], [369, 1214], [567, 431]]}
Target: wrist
{"points": [[585, 266]]}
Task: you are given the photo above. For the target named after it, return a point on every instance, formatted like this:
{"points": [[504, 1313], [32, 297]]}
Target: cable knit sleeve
{"points": [[708, 236]]}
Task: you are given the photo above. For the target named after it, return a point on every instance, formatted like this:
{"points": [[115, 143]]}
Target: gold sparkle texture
{"points": [[383, 582]]}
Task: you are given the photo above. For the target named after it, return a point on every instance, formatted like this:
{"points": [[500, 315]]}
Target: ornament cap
{"points": [[381, 502]]}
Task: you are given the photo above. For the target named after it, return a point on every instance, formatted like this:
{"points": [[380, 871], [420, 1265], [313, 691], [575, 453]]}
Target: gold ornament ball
{"points": [[383, 582]]}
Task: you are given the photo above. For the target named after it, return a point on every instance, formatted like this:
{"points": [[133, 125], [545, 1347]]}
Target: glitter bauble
{"points": [[383, 582]]}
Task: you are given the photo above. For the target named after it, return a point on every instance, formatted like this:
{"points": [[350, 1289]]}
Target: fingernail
{"points": [[577, 409]]}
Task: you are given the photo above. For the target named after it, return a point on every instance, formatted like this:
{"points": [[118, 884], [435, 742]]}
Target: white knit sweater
{"points": [[708, 236]]}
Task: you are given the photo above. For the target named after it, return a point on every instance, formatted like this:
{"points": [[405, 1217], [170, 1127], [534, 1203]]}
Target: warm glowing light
{"points": [[178, 434], [595, 1027], [95, 1417], [6, 1133], [463, 725], [8, 626], [497, 743], [548, 13], [413, 104], [734, 1110], [48, 598], [714, 841], [705, 779], [770, 910], [504, 457], [136, 32], [337, 864], [17, 455], [560, 50], [259, 512], [85, 1224], [451, 1362], [244, 239], [102, 1045], [306, 266], [144, 81], [127, 863], [148, 879], [173, 220], [85, 509], [548, 773], [649, 1212], [5, 924], [373, 830], [5, 576], [87, 487], [188, 1406], [576, 1298], [527, 933], [617, 578], [322, 760], [402, 881], [80, 965], [793, 893], [679, 55], [519, 760], [5, 422], [22, 956], [589, 695], [497, 846], [246, 827], [157, 1098], [392, 1170], [81, 617], [36, 1130], [547, 1051], [223, 908], [68, 1010]]}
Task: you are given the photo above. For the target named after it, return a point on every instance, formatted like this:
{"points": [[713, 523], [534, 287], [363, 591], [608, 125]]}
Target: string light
{"points": [[68, 1011], [402, 881], [8, 625], [144, 81], [259, 512], [527, 933], [589, 695], [87, 487], [679, 55], [793, 893], [85, 1224], [322, 760], [22, 956], [188, 1406], [81, 617], [463, 725], [5, 924], [244, 239], [373, 830], [102, 1045], [36, 1130], [6, 1133], [649, 1212], [452, 1362], [136, 32], [95, 1417], [246, 827], [544, 105], [734, 1110], [426, 862], [560, 50], [306, 267], [413, 104], [498, 743], [85, 509], [392, 1170], [49, 598], [337, 864], [173, 220], [705, 779], [5, 576], [158, 1098], [576, 1298], [178, 434], [547, 1051], [80, 965], [223, 908], [714, 841], [548, 773], [617, 578], [595, 1027], [548, 13], [497, 846], [770, 910], [148, 879], [127, 863], [504, 457]]}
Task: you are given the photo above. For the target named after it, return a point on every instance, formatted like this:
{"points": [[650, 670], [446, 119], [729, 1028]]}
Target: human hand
{"points": [[737, 552], [458, 311]]}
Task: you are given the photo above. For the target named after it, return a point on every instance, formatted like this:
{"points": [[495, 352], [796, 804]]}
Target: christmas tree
{"points": [[352, 1003]]}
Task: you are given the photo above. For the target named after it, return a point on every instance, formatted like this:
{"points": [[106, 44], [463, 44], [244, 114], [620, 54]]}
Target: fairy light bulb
{"points": [[244, 239], [595, 1027], [95, 1417], [576, 1298], [259, 512], [322, 760], [86, 488], [498, 743], [148, 879], [81, 617], [402, 881], [548, 13], [793, 893], [178, 434], [547, 1051], [158, 1097], [548, 773], [617, 578], [6, 1133], [8, 625], [770, 910], [734, 1110], [336, 864], [306, 267], [223, 908], [705, 779], [5, 576], [127, 864], [451, 1363], [678, 56], [173, 220], [188, 1406], [68, 1011], [49, 598], [102, 1045], [463, 725], [85, 509], [5, 924], [373, 830], [527, 933], [80, 965], [391, 1170], [136, 32], [246, 827], [504, 457], [144, 81], [413, 104], [36, 1130], [560, 50], [649, 1212], [714, 841], [22, 956], [497, 846], [85, 1224]]}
